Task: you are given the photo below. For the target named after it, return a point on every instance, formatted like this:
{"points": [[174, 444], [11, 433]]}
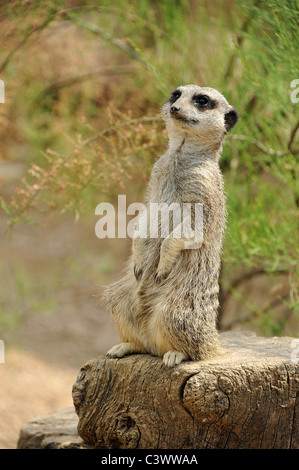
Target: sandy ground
{"points": [[44, 350], [30, 387]]}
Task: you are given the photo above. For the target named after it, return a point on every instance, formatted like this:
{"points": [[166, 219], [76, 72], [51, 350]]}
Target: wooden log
{"points": [[57, 430], [246, 398]]}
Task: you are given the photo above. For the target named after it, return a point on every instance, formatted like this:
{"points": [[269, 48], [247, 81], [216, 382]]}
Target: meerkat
{"points": [[167, 300]]}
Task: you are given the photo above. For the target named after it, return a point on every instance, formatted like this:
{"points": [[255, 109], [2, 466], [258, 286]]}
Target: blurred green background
{"points": [[84, 84]]}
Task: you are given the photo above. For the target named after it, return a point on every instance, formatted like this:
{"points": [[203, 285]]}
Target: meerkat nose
{"points": [[174, 110]]}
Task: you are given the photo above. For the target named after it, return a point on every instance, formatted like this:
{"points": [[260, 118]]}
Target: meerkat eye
{"points": [[201, 101], [175, 96]]}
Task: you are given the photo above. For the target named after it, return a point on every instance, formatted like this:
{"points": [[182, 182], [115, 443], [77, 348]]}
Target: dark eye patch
{"points": [[175, 96], [203, 102]]}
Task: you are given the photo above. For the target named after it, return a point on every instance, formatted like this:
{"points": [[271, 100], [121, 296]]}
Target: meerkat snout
{"points": [[174, 110]]}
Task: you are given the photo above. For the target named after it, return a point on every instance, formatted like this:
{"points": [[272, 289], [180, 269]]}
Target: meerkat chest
{"points": [[162, 186]]}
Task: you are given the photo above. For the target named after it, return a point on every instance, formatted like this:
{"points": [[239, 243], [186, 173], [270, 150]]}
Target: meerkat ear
{"points": [[230, 119]]}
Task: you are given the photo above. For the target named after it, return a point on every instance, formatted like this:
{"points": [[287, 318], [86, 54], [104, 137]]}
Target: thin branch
{"points": [[118, 126], [239, 40], [54, 87], [258, 144], [246, 277], [255, 272], [122, 45], [37, 28], [67, 13], [253, 314]]}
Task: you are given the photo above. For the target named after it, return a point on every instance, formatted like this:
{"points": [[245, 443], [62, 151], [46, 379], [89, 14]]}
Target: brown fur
{"points": [[166, 303]]}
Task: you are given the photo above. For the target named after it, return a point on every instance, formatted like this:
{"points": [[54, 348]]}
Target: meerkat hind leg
{"points": [[173, 358], [123, 349]]}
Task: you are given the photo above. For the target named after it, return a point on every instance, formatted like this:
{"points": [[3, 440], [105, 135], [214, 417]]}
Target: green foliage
{"points": [[103, 67]]}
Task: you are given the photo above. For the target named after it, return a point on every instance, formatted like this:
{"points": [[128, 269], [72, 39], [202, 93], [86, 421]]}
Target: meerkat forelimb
{"points": [[178, 240]]}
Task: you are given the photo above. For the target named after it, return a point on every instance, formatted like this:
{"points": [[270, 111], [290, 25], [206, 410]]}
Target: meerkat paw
{"points": [[173, 358], [122, 349]]}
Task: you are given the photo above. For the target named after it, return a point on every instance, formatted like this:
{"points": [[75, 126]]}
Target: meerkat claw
{"points": [[159, 278], [173, 358], [137, 273]]}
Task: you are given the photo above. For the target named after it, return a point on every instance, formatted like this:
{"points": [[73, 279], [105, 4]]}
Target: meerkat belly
{"points": [[150, 323], [159, 342]]}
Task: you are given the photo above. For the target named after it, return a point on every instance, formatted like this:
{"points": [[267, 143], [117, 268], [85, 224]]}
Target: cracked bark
{"points": [[245, 398]]}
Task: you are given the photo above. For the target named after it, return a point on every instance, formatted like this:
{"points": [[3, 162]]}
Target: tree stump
{"points": [[246, 398]]}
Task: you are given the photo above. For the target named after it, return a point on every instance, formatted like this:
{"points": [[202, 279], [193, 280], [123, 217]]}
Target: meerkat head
{"points": [[201, 114]]}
